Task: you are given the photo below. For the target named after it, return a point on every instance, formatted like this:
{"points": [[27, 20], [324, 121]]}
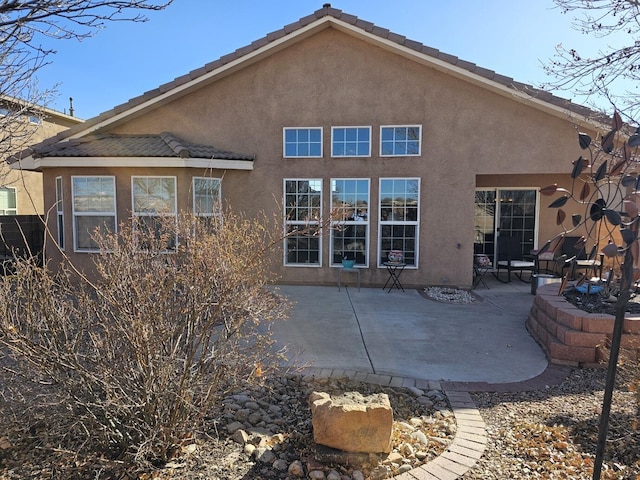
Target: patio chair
{"points": [[511, 259], [573, 258]]}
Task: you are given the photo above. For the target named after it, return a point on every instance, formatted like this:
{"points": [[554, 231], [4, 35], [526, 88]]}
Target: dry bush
{"points": [[131, 361]]}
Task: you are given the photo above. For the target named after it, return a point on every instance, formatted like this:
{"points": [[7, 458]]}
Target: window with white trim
{"points": [[399, 219], [94, 207], [400, 140], [302, 142], [8, 201], [303, 208], [206, 196], [154, 199], [350, 141], [350, 220], [60, 213]]}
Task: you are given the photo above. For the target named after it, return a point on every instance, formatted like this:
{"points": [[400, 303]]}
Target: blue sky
{"points": [[124, 60]]}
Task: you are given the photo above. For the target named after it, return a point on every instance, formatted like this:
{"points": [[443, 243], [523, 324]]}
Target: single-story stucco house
{"points": [[421, 151]]}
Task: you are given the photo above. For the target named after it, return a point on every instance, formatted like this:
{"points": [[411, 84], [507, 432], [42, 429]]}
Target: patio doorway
{"points": [[508, 212]]}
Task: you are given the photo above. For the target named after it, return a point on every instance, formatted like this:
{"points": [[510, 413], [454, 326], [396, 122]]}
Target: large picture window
{"points": [[400, 141], [351, 142], [303, 208], [94, 206], [350, 220], [154, 199], [399, 219], [303, 142]]}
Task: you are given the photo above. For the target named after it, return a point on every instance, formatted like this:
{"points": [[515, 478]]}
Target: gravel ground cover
{"points": [[448, 295], [260, 433], [546, 434], [552, 433]]}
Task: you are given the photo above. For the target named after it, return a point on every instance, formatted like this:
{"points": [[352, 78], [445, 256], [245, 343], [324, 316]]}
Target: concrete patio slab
{"points": [[404, 334]]}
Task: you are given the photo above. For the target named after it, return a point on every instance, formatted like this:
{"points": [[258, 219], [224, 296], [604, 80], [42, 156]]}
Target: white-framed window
{"points": [[400, 140], [8, 204], [32, 118], [153, 199], [350, 141], [399, 219], [302, 142], [94, 206], [60, 213], [350, 220], [207, 197], [303, 211]]}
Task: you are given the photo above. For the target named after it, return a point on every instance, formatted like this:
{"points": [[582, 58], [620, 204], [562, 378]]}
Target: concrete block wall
{"points": [[571, 336]]}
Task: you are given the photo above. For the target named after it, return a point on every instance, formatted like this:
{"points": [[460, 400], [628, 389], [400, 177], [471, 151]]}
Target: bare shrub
{"points": [[133, 358]]}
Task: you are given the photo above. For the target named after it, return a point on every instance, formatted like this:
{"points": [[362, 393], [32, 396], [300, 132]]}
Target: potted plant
{"points": [[348, 260]]}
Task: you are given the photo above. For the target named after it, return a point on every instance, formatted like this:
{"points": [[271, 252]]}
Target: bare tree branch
{"points": [[610, 70], [24, 24]]}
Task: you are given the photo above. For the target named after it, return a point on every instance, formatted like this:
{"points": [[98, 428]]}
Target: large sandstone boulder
{"points": [[352, 422]]}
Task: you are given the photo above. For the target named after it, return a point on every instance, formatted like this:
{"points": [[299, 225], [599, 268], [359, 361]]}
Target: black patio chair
{"points": [[511, 259], [572, 257]]}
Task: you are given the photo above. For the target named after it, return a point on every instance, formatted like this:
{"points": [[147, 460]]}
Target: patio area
{"points": [[408, 335]]}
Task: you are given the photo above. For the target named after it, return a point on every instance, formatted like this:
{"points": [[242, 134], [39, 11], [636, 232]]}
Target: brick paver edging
{"points": [[470, 439], [468, 442], [464, 451]]}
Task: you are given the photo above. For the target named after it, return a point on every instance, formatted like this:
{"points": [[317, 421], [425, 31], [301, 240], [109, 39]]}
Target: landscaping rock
{"points": [[352, 422]]}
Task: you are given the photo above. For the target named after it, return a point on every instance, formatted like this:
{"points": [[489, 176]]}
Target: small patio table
{"points": [[479, 271], [348, 270], [395, 270]]}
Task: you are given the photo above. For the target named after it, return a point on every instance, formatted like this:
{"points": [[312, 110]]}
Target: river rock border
{"points": [[470, 439], [571, 336]]}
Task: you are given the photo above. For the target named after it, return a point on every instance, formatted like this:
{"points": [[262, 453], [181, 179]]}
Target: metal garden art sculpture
{"points": [[607, 184]]}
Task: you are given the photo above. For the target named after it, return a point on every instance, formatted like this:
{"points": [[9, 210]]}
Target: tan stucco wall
{"points": [[333, 79]]}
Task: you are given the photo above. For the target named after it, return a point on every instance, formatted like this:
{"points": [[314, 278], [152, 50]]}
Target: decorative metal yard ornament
{"points": [[607, 185]]}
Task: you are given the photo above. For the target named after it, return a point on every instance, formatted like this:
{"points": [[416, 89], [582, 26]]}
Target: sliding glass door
{"points": [[505, 212]]}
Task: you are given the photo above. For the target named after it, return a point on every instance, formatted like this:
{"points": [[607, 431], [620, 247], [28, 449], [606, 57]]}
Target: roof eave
{"points": [[464, 74], [41, 163], [379, 37], [215, 74]]}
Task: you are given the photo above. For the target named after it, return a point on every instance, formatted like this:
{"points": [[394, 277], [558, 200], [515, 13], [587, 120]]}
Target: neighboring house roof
{"points": [[47, 114], [328, 17]]}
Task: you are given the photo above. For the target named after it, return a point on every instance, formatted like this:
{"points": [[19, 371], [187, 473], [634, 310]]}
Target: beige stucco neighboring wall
{"points": [[28, 184], [471, 137]]}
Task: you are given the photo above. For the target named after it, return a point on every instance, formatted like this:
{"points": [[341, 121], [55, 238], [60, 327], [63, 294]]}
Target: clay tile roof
{"points": [[114, 145], [328, 11]]}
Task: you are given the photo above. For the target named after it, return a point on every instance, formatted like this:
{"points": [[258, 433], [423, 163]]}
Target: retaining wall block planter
{"points": [[571, 336]]}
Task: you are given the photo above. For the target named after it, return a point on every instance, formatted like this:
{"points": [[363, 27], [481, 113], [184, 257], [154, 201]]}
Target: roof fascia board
{"points": [[467, 75], [219, 72], [31, 163]]}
